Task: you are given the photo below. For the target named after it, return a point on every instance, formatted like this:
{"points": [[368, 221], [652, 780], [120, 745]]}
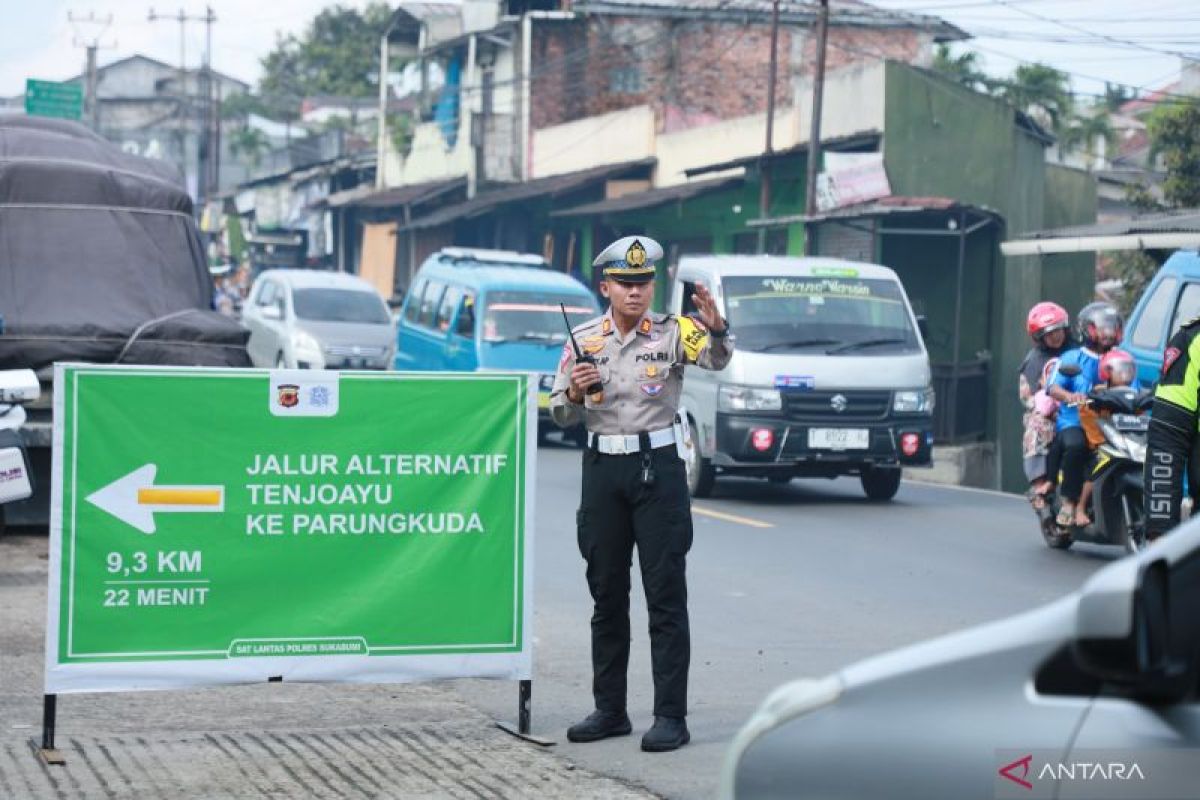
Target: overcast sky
{"points": [[1098, 40]]}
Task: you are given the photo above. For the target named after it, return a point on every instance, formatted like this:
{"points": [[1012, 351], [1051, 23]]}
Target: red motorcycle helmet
{"points": [[1044, 318], [1100, 326], [1117, 368]]}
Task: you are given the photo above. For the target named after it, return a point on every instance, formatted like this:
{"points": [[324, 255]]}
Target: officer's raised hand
{"points": [[707, 308]]}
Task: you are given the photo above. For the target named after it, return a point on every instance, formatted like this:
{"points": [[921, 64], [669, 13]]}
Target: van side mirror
{"points": [[923, 326], [272, 312]]}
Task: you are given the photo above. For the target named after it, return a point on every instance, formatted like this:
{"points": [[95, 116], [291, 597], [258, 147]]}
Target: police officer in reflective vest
{"points": [[634, 480], [1173, 441]]}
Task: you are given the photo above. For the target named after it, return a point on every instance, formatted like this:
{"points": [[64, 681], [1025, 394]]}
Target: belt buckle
{"points": [[621, 445]]}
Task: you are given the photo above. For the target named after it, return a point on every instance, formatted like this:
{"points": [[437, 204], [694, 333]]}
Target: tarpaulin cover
{"points": [[97, 245]]}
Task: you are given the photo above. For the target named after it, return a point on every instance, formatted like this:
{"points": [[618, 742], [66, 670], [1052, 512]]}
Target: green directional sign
{"points": [[50, 99], [218, 526]]}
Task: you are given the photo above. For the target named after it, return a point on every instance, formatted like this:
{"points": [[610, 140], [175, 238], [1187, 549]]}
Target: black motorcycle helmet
{"points": [[1100, 326]]}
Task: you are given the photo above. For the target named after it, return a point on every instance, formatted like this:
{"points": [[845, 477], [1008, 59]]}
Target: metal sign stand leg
{"points": [[49, 715], [524, 717]]}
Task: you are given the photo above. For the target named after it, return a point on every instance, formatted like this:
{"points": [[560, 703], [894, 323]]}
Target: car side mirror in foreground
{"points": [[272, 312], [1136, 627]]}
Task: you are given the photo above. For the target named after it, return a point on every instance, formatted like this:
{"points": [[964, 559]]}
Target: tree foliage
{"points": [[1116, 95], [1175, 136], [1085, 131], [249, 143], [1043, 92], [1175, 133], [338, 54], [964, 68]]}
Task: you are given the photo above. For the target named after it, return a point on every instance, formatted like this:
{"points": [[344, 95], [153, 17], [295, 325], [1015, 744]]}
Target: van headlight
{"points": [[747, 398], [306, 342], [914, 401]]}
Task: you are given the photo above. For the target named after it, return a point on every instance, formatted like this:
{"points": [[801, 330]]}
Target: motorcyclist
{"points": [[1172, 439], [1117, 368], [1048, 324], [1099, 328]]}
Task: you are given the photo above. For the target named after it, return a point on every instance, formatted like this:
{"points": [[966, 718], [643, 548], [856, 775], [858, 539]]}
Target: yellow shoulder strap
{"points": [[693, 336]]}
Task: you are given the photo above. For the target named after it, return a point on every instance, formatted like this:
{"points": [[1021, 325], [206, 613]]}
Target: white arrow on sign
{"points": [[134, 498]]}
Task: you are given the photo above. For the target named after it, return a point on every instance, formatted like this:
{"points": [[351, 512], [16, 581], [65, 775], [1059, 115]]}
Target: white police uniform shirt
{"points": [[642, 372]]}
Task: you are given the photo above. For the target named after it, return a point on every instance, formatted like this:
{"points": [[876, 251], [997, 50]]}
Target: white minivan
{"points": [[829, 376]]}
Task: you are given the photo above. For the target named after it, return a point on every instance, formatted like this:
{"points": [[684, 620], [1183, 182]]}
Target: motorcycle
{"points": [[17, 387], [1116, 506]]}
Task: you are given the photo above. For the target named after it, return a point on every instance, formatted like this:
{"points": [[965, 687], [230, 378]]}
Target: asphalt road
{"points": [[785, 582]]}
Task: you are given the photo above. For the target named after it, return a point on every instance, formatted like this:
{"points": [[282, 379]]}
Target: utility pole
{"points": [[764, 168], [91, 45], [814, 136], [205, 180]]}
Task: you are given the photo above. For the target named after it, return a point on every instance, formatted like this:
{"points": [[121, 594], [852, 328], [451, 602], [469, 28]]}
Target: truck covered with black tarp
{"points": [[100, 261]]}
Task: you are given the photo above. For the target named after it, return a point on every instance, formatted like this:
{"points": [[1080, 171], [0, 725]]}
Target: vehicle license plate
{"points": [[1131, 422], [839, 438]]}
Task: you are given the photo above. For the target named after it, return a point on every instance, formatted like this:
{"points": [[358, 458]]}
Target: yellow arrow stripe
{"points": [[179, 497], [753, 523]]}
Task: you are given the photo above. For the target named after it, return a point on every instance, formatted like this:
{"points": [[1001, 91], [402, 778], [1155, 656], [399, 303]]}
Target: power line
{"points": [[1118, 84], [1011, 4]]}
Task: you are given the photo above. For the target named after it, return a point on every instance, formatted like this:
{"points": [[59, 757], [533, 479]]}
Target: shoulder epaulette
{"points": [[591, 323]]}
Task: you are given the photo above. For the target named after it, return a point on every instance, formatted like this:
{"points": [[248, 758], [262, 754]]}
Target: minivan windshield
{"points": [[843, 315], [340, 305], [533, 316]]}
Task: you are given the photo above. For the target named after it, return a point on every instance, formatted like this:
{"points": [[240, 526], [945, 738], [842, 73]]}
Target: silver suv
{"points": [[310, 319]]}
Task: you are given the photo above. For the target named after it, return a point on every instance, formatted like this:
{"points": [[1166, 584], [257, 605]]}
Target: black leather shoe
{"points": [[667, 733], [600, 725]]}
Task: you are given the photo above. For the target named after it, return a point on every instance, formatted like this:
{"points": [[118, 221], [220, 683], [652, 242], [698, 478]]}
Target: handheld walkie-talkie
{"points": [[596, 390]]}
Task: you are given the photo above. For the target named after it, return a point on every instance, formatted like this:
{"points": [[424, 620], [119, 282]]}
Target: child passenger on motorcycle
{"points": [[1100, 328], [1117, 368], [1047, 324]]}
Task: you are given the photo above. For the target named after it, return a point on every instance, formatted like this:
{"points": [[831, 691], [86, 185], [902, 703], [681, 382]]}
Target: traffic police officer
{"points": [[634, 481], [1174, 438]]}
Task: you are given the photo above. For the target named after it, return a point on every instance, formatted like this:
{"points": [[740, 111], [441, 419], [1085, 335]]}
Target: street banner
{"points": [[214, 526]]}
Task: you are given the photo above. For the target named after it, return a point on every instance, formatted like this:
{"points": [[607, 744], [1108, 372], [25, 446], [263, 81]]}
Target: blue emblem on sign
{"points": [[801, 382], [652, 389]]}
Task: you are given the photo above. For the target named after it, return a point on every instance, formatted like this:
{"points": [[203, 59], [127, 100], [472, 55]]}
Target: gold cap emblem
{"points": [[636, 255]]}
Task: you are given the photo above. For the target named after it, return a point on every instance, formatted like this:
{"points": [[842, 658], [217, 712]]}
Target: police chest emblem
{"points": [[652, 389], [635, 256], [651, 371], [593, 344]]}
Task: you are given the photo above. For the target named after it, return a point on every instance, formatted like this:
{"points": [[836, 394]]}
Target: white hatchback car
{"points": [[312, 319]]}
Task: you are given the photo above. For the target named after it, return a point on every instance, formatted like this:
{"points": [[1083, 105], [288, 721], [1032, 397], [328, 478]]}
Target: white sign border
{"points": [[400, 668]]}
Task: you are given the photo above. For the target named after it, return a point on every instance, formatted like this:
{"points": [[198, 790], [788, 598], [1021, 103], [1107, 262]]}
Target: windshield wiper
{"points": [[859, 345], [794, 343]]}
